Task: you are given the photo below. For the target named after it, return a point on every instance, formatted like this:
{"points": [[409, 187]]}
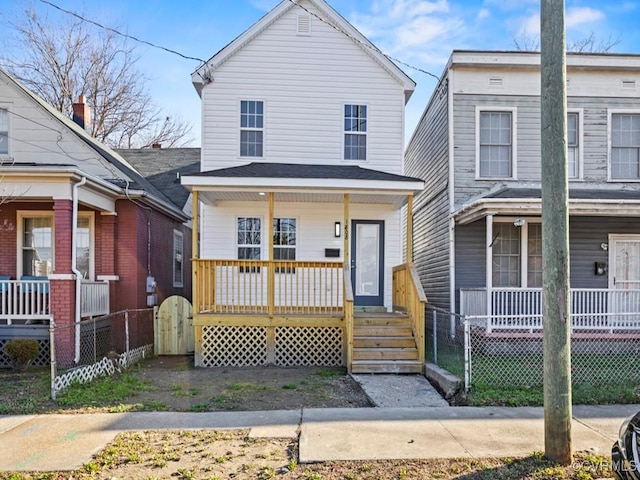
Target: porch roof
{"points": [[527, 201], [302, 183]]}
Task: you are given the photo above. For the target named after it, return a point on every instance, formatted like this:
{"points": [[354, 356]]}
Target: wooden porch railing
{"points": [[24, 300], [408, 296], [267, 287], [94, 299], [521, 309]]}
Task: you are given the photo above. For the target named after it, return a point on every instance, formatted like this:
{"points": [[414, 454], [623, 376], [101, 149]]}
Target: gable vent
{"points": [[304, 24], [629, 84], [495, 82]]}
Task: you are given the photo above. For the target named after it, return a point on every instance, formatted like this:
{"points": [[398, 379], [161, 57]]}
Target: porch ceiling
{"points": [[533, 207], [214, 197]]}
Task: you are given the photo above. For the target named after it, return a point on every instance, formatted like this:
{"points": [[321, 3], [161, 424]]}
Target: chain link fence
{"points": [[514, 357], [97, 347], [482, 355]]}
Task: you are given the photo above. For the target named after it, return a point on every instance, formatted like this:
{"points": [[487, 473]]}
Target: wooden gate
{"points": [[174, 327]]}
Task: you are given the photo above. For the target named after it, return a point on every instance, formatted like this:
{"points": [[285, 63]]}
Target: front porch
{"points": [[602, 311], [290, 313], [29, 301]]}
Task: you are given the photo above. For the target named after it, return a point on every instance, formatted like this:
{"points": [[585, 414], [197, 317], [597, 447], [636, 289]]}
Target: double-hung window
{"points": [[495, 144], [4, 131], [509, 259], [37, 244], [284, 241], [625, 146], [251, 128], [573, 145], [249, 238], [178, 252], [355, 132]]}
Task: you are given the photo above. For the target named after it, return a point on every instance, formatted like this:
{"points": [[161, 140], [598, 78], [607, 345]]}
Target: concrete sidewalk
{"points": [[65, 442]]}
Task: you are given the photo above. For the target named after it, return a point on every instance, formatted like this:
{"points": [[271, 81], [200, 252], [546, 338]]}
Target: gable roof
{"points": [[128, 179], [164, 167], [202, 75]]}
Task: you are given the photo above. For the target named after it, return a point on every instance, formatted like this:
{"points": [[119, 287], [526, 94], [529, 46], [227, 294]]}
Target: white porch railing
{"points": [[94, 299], [521, 309], [24, 300], [27, 301]]}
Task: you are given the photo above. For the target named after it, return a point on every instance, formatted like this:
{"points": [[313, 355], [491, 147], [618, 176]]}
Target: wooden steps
{"points": [[384, 343]]}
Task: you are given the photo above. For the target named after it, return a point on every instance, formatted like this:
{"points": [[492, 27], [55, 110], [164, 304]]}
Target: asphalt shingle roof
{"points": [[294, 170], [578, 194]]}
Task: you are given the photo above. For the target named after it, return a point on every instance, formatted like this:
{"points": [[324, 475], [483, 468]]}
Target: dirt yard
{"points": [[180, 387]]}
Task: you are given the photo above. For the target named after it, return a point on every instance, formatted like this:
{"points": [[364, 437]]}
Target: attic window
{"points": [[629, 84], [495, 81], [304, 24]]}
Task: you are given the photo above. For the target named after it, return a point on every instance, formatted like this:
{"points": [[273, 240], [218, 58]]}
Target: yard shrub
{"points": [[21, 352]]}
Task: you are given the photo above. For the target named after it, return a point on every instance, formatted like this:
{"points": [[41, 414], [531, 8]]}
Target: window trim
{"points": [[524, 249], [92, 249], [177, 234], [251, 129], [262, 233], [610, 113], [344, 132], [7, 107], [580, 159], [20, 216], [514, 137]]}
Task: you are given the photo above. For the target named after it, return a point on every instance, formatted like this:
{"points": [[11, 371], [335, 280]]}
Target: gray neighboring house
{"points": [[477, 225]]}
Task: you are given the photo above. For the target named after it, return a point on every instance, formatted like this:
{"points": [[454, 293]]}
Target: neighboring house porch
{"points": [[499, 276], [302, 265]]}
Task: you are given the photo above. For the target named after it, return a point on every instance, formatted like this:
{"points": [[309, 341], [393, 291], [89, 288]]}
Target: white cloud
{"points": [[580, 15], [264, 5], [530, 26], [483, 13]]}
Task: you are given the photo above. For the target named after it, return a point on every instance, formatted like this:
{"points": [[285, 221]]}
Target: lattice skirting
{"points": [[106, 366], [42, 360], [283, 346]]}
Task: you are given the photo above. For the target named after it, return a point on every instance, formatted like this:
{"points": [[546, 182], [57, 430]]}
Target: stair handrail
{"points": [[414, 300], [348, 314]]}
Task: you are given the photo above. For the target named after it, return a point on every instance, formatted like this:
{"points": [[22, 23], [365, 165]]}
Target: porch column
{"points": [[195, 254], [346, 230], [489, 266], [272, 269], [62, 287], [408, 257]]}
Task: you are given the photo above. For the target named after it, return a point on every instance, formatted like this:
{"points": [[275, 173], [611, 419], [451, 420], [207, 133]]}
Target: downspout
{"points": [[74, 263]]}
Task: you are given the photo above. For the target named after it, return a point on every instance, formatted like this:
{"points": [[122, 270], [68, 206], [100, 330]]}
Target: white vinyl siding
{"points": [[4, 131], [314, 230], [178, 259], [625, 146], [495, 144], [304, 82]]}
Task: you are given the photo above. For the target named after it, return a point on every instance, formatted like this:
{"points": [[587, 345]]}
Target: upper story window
{"points": [[573, 145], [625, 146], [251, 128], [4, 131], [355, 132], [178, 251], [495, 144]]}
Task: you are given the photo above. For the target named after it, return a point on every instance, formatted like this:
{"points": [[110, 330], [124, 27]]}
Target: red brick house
{"points": [[82, 232]]}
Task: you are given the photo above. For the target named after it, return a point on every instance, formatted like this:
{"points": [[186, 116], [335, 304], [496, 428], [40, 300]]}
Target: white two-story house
{"points": [[477, 225], [299, 200]]}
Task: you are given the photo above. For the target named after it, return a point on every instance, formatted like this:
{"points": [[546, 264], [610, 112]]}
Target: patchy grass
{"points": [[103, 392], [23, 393], [208, 454]]}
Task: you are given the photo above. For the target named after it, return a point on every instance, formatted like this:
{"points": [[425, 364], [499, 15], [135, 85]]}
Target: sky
{"points": [[420, 33]]}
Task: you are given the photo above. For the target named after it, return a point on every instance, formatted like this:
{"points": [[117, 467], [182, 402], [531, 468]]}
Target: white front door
{"points": [[624, 277]]}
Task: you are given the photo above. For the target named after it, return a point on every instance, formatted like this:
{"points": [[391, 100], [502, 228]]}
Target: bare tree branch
{"points": [[589, 44], [61, 61]]}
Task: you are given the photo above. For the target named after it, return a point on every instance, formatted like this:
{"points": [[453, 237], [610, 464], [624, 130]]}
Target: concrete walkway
{"points": [[65, 442], [398, 391]]}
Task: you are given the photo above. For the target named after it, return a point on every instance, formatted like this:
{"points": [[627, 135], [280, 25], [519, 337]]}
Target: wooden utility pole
{"points": [[555, 235]]}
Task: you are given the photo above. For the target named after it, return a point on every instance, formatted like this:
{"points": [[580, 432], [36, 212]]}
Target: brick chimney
{"points": [[81, 112]]}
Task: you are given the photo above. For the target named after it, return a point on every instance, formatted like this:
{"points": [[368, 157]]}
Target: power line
{"points": [[113, 30], [360, 42]]}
